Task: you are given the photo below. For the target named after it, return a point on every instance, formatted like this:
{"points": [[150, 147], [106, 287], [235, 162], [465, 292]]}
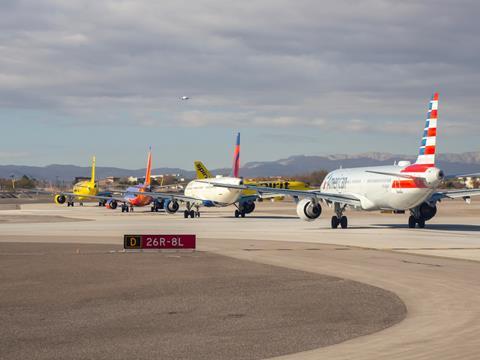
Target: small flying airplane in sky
{"points": [[185, 98]]}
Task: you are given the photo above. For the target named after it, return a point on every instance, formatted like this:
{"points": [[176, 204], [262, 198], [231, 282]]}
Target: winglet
{"points": [[236, 158]]}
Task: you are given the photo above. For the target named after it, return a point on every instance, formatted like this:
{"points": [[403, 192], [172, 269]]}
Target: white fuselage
{"points": [[217, 196], [383, 192]]}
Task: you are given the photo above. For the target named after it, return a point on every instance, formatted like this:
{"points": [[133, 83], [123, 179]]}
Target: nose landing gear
{"points": [[190, 212]]}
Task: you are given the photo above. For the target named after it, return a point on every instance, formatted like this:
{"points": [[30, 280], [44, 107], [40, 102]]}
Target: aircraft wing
{"points": [[346, 199], [73, 195], [168, 196], [99, 197], [455, 194]]}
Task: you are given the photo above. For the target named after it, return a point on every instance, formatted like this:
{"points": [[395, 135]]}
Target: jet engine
{"points": [[60, 199], [248, 206], [111, 204], [307, 210], [434, 176], [171, 206], [427, 211]]}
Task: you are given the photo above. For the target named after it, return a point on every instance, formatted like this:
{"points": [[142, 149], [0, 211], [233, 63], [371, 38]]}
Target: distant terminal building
{"points": [[81, 178], [109, 180], [470, 182], [159, 178]]}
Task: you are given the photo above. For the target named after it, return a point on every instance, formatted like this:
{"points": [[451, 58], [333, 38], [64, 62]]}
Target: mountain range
{"points": [[300, 164]]}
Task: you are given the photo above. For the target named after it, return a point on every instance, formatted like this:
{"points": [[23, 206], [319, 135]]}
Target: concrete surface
{"points": [[441, 294]]}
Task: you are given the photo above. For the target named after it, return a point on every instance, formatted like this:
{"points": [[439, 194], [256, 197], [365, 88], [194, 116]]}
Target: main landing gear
{"points": [[126, 208], [413, 221], [420, 214], [239, 213], [190, 212], [339, 218], [70, 202]]}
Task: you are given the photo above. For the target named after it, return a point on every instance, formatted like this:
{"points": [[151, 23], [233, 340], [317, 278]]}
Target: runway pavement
{"points": [[441, 293], [71, 301]]}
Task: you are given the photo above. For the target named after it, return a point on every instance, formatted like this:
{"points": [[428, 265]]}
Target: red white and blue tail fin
{"points": [[426, 155], [236, 158]]}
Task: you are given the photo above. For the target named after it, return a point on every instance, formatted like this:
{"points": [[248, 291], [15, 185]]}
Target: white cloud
{"points": [[263, 63]]}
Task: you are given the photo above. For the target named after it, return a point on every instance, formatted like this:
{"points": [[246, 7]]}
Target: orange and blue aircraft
{"points": [[132, 196]]}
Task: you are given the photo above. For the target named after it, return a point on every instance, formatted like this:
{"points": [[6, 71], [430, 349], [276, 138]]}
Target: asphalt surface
{"points": [[79, 301], [441, 295], [419, 265]]}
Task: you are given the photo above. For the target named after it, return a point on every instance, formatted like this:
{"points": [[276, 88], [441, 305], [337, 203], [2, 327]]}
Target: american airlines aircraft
{"points": [[401, 187]]}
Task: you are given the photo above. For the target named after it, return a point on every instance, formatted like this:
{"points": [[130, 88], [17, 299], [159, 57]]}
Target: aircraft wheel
{"points": [[344, 222], [185, 214], [152, 209], [335, 222], [421, 223], [198, 213], [237, 213], [412, 222], [242, 214], [192, 214]]}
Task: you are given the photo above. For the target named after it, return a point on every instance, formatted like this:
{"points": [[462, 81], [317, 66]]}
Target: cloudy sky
{"points": [[295, 77]]}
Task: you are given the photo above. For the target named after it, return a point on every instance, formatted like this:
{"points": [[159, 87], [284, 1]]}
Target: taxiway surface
{"points": [[441, 291]]}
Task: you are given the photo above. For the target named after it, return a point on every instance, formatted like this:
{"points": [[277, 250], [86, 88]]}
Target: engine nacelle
{"points": [[433, 176], [111, 204], [427, 211], [307, 210], [60, 199], [248, 207], [171, 206]]}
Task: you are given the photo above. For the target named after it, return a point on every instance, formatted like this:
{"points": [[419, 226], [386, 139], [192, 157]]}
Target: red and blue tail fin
{"points": [[236, 158], [426, 155]]}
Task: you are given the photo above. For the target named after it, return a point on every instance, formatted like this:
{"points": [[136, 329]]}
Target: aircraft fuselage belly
{"points": [[217, 195]]}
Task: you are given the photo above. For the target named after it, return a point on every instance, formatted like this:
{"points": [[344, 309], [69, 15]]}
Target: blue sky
{"points": [[302, 77]]}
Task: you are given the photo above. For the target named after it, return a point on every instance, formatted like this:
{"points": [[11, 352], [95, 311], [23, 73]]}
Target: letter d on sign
{"points": [[132, 242]]}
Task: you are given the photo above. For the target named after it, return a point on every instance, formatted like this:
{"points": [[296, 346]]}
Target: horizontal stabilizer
{"points": [[396, 175]]}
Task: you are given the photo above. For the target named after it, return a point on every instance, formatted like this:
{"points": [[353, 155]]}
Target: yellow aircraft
{"points": [[203, 173], [82, 191]]}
